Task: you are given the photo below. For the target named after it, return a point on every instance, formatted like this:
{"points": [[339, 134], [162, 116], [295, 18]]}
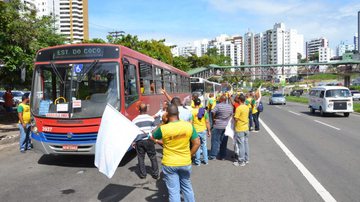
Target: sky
{"points": [[183, 21]]}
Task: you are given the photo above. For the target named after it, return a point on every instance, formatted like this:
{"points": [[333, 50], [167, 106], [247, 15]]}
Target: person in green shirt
{"points": [[24, 123], [176, 136]]}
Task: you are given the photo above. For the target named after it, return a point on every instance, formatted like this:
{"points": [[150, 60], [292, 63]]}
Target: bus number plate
{"points": [[70, 147]]}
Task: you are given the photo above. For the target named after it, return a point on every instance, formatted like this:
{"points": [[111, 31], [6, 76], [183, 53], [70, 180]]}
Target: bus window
{"points": [[322, 94], [158, 80], [167, 78], [173, 83], [130, 84], [146, 78]]}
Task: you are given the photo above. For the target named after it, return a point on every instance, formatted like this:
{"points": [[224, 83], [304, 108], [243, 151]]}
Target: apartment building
{"points": [[312, 46], [71, 16]]}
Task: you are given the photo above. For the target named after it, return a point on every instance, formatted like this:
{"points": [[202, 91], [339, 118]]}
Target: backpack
{"points": [[260, 107]]}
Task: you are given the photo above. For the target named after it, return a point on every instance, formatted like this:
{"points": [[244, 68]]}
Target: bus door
{"points": [[131, 87]]}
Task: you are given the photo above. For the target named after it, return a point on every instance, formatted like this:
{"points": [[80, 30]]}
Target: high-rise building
{"points": [[225, 45], [312, 46], [71, 16], [73, 20], [343, 48], [229, 46], [281, 46], [356, 42], [325, 55]]}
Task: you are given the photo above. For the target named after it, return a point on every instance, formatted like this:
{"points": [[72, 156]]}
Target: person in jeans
{"points": [[200, 120], [176, 136], [241, 133], [221, 116], [143, 144], [24, 124], [256, 112]]}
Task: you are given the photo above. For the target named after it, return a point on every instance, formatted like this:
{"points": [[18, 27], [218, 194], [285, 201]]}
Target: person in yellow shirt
{"points": [[200, 120], [176, 136], [211, 105], [250, 102], [24, 123], [241, 133]]}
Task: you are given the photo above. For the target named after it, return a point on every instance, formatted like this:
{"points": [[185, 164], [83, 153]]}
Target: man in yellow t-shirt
{"points": [[176, 136], [241, 133], [24, 123], [200, 120]]}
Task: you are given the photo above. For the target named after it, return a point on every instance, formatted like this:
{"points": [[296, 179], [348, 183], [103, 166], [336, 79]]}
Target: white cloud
{"points": [[336, 21]]}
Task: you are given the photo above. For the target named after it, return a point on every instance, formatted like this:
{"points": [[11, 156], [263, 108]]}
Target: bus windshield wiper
{"points": [[92, 65], [57, 72]]}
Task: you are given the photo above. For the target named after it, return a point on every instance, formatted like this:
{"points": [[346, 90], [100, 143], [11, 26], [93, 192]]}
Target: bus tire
{"points": [[346, 114], [312, 110]]}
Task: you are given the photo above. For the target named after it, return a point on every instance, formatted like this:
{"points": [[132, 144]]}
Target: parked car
{"points": [[2, 101], [297, 92], [355, 94], [277, 98], [17, 96]]}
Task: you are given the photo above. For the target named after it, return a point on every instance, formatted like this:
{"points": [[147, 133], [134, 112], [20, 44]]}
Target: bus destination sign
{"points": [[78, 53]]}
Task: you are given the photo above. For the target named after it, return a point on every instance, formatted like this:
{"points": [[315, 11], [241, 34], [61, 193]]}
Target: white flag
{"points": [[229, 130], [115, 136]]}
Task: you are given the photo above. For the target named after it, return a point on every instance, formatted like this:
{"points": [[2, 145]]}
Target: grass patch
{"points": [[323, 77], [297, 99], [357, 107]]}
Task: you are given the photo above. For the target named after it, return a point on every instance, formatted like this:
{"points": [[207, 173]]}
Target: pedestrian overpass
{"points": [[344, 67]]}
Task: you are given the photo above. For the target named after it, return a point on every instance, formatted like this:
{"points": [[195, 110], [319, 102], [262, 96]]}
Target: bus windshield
{"points": [[75, 90], [197, 87], [338, 93]]}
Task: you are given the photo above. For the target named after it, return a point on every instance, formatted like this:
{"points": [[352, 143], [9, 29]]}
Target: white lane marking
{"points": [[325, 124], [325, 195], [294, 113]]}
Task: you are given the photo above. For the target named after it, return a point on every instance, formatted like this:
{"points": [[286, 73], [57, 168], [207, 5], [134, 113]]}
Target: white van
{"points": [[331, 99]]}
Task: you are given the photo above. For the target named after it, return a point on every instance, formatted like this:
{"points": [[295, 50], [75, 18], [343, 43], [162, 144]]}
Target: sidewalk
{"points": [[8, 128]]}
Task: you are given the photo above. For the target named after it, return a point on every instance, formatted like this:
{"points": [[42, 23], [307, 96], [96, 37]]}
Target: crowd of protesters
{"points": [[183, 130]]}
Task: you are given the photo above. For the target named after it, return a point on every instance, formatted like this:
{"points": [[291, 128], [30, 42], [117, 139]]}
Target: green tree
{"points": [[314, 57], [182, 63], [22, 33]]}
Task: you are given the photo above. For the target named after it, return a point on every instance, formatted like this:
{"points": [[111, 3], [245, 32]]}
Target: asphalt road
{"points": [[331, 155]]}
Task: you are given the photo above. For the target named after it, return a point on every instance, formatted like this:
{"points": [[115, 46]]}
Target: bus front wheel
{"points": [[346, 114]]}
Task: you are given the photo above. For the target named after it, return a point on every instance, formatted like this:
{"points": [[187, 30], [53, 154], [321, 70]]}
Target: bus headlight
{"points": [[34, 128], [349, 104], [330, 105]]}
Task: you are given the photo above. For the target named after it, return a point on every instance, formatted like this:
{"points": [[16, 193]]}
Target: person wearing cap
{"points": [[23, 110], [200, 120]]}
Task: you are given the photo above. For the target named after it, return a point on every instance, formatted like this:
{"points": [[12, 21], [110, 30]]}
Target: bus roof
{"points": [[125, 51]]}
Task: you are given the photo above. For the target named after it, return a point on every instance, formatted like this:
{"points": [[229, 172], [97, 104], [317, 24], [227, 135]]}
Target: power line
{"points": [[116, 34]]}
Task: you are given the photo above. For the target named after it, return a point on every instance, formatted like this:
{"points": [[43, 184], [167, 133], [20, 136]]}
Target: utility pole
{"points": [[116, 34]]}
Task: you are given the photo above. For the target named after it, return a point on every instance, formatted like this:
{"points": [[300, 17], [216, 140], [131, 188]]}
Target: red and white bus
{"points": [[72, 85]]}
